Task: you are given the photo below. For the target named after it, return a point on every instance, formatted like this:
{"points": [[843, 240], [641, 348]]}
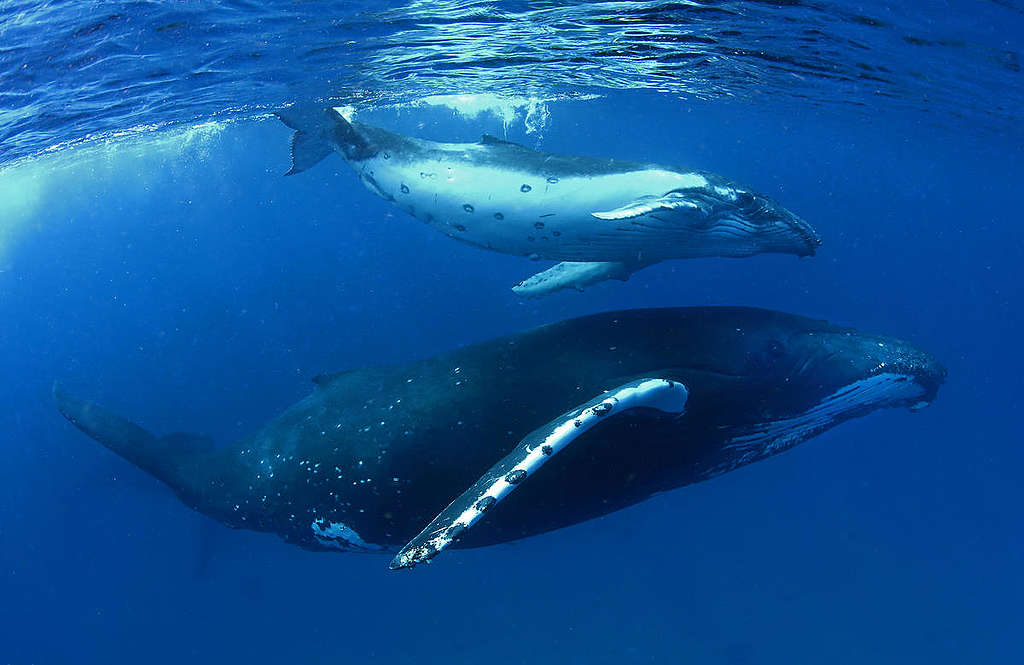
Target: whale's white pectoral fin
{"points": [[573, 275], [662, 395], [648, 204]]}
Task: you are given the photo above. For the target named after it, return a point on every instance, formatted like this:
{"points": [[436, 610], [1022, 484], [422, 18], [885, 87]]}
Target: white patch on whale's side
{"points": [[517, 212], [342, 537]]}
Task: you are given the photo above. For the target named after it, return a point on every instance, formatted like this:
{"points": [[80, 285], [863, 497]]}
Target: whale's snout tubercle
{"points": [[808, 237], [927, 372], [778, 227]]}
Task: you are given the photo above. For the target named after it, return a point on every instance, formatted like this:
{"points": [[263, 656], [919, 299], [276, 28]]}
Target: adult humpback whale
{"points": [[579, 418], [604, 218]]}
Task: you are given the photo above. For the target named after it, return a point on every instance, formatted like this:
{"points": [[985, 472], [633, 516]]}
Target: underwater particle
{"points": [[515, 477], [546, 449], [498, 216], [467, 207], [460, 227], [525, 188], [404, 188], [552, 180], [538, 225], [483, 504]]}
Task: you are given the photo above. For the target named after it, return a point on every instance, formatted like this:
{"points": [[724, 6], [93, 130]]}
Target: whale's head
{"points": [[789, 378], [742, 222], [691, 214], [761, 382]]}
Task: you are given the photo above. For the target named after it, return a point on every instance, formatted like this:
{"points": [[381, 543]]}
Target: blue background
{"points": [[180, 280]]}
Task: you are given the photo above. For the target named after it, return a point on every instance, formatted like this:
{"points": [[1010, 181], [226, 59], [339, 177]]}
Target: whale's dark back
{"points": [[431, 427]]}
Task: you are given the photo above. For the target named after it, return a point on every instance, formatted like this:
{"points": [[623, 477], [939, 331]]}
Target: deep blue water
{"points": [[173, 274]]}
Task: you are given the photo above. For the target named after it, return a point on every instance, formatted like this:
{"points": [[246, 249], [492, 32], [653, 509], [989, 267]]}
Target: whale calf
{"points": [[530, 432], [606, 218]]}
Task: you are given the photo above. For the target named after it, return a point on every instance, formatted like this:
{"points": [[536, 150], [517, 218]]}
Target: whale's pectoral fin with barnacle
{"points": [[661, 396]]}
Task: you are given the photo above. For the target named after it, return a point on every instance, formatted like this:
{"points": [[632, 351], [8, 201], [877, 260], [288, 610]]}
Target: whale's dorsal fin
{"points": [[325, 379], [490, 139], [661, 395], [648, 204]]}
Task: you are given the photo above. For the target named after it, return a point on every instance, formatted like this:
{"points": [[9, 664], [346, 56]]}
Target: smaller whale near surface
{"points": [[529, 432], [603, 218]]}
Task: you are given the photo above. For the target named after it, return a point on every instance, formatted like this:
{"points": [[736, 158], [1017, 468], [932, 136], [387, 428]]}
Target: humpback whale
{"points": [[530, 432], [601, 218]]}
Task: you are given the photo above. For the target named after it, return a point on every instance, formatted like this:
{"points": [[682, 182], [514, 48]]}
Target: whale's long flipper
{"points": [[574, 275], [662, 395]]}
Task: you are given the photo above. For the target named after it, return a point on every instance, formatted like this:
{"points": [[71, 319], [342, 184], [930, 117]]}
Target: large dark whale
{"points": [[540, 429], [604, 218]]}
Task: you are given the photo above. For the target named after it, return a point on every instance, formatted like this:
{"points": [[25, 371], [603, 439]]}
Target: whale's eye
{"points": [[763, 360]]}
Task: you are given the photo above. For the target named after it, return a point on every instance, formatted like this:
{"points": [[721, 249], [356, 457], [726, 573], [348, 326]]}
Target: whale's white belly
{"points": [[517, 212]]}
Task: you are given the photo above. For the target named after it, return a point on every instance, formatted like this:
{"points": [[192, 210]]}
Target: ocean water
{"points": [[153, 258]]}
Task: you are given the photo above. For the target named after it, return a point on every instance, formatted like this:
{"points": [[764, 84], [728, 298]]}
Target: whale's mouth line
{"points": [[769, 222], [760, 214], [886, 389], [737, 215], [784, 235]]}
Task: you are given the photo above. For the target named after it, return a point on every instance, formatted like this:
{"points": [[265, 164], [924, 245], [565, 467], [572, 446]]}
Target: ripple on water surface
{"points": [[74, 70]]}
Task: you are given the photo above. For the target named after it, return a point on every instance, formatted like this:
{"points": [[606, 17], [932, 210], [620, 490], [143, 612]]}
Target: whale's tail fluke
{"points": [[318, 133], [176, 459]]}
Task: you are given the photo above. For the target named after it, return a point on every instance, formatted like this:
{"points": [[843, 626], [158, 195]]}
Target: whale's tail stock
{"points": [[178, 460], [318, 133]]}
